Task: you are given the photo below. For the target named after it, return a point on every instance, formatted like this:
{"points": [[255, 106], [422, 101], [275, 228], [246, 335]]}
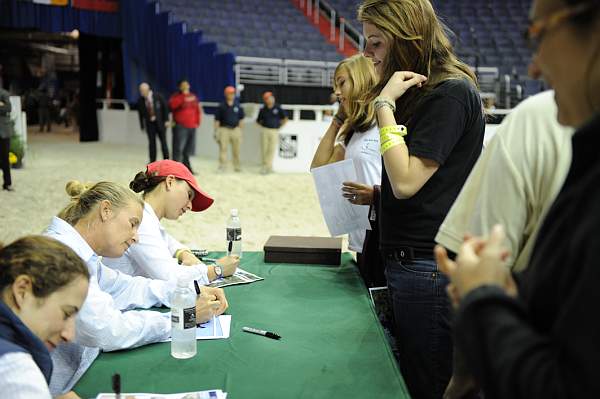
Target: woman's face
{"points": [[562, 60], [376, 47], [179, 196], [118, 230], [51, 319], [343, 88]]}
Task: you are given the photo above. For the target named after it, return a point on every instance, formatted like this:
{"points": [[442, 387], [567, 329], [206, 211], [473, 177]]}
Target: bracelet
{"points": [[399, 130], [180, 251], [383, 102], [390, 141]]}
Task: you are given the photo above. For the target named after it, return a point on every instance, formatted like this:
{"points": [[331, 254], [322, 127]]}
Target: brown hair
{"points": [[145, 182], [417, 42], [49, 263], [360, 114], [85, 197]]}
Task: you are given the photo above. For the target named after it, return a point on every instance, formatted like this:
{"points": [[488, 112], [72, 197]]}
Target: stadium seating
{"points": [[486, 33], [254, 28]]}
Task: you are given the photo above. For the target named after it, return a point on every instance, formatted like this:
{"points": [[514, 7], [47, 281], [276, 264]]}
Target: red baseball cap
{"points": [[229, 89], [168, 167]]}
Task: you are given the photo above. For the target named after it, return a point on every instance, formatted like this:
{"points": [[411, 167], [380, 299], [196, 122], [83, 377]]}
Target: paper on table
{"points": [[210, 330], [239, 277], [212, 394], [340, 215]]}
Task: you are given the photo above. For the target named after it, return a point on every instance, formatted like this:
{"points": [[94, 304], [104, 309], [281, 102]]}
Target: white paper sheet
{"points": [[209, 330], [340, 215], [212, 394]]}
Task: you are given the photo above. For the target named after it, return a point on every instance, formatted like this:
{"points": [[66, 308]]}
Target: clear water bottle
{"points": [[183, 320], [234, 234]]}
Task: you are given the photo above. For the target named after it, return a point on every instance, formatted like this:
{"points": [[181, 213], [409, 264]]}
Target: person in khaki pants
{"points": [[271, 117], [228, 129]]}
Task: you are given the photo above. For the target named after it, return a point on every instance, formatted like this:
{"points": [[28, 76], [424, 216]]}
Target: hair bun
{"points": [[75, 188], [140, 182]]}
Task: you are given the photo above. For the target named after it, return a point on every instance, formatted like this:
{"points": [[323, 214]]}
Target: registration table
{"points": [[332, 344]]}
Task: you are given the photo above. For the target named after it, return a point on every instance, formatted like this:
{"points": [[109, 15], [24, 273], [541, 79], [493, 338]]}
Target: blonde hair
{"points": [[417, 42], [360, 114], [85, 198]]}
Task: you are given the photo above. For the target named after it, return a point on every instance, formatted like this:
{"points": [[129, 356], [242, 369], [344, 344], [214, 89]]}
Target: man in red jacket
{"points": [[187, 113]]}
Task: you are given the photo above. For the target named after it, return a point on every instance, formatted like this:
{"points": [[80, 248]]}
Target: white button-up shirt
{"points": [[153, 255], [21, 378], [102, 323]]}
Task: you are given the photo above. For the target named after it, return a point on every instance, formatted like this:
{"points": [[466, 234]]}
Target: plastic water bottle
{"points": [[183, 320], [234, 234]]}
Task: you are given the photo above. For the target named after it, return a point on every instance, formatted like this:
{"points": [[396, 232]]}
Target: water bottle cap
{"points": [[234, 212]]}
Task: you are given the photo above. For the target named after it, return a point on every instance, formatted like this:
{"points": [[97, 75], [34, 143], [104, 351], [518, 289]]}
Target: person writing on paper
{"points": [[43, 284], [102, 220], [431, 125], [353, 134], [169, 190]]}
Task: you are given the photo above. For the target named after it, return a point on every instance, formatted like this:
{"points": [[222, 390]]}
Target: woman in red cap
{"points": [[169, 190]]}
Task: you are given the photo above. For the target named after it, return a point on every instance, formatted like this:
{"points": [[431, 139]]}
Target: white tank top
{"points": [[363, 149]]}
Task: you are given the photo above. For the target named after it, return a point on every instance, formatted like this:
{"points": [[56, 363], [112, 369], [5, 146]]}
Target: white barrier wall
{"points": [[298, 139]]}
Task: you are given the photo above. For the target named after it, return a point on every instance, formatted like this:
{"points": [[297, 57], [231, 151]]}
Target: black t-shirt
{"points": [[448, 128], [271, 117], [229, 115]]}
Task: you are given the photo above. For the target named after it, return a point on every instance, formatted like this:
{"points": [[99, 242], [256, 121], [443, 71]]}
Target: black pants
{"points": [[4, 149], [154, 130], [44, 119], [183, 144]]}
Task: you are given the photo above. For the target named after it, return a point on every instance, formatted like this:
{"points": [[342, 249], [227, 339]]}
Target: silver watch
{"points": [[219, 271]]}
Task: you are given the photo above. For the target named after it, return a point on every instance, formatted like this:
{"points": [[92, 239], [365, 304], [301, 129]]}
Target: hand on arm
{"points": [[186, 258]]}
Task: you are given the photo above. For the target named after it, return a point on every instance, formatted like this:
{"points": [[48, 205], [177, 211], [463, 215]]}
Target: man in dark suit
{"points": [[154, 119], [6, 130]]}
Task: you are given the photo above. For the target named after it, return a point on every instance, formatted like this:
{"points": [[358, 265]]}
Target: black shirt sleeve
{"points": [[241, 113], [261, 116], [437, 126], [218, 113], [282, 113], [512, 360]]}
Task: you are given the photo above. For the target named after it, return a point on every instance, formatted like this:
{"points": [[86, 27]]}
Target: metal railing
{"points": [[276, 71], [317, 8]]}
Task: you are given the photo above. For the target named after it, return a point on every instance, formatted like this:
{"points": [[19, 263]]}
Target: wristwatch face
{"points": [[218, 271]]}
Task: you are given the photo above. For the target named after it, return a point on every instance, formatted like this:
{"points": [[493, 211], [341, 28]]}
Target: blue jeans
{"points": [[183, 144], [422, 325]]}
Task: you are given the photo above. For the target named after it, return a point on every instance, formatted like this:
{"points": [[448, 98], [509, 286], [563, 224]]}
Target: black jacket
{"points": [[546, 343], [160, 110]]}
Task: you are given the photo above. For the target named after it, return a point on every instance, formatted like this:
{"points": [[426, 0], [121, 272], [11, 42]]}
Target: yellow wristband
{"points": [[399, 130], [392, 142], [180, 251]]}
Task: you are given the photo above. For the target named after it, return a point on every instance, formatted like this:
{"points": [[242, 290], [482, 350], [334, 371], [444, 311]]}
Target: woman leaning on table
{"points": [[169, 190], [431, 127], [353, 134], [43, 284], [102, 221], [540, 338]]}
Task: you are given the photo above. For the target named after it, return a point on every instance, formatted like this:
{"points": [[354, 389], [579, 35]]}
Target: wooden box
{"points": [[307, 250]]}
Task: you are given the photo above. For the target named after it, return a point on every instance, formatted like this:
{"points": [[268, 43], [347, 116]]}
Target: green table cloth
{"points": [[332, 344]]}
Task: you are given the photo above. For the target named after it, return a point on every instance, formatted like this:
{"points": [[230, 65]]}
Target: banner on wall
{"points": [[49, 2], [96, 5]]}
